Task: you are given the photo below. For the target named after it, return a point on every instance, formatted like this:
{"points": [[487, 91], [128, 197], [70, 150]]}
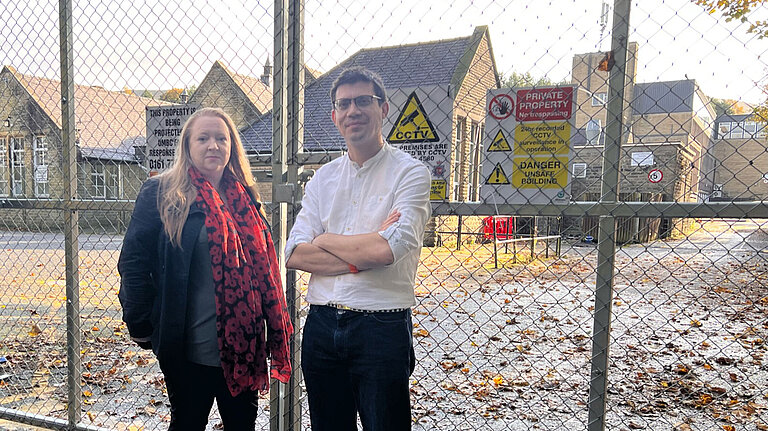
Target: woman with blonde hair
{"points": [[200, 280]]}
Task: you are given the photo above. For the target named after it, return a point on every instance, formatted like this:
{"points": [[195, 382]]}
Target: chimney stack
{"points": [[266, 77]]}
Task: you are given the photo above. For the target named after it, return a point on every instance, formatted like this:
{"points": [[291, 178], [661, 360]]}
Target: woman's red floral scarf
{"points": [[248, 287]]}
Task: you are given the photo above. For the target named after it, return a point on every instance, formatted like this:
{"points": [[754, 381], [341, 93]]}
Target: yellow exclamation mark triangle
{"points": [[497, 176]]}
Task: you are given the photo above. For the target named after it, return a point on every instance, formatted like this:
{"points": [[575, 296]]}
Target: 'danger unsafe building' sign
{"points": [[527, 145]]}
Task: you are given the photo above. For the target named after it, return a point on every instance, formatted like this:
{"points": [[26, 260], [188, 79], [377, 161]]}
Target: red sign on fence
{"points": [[544, 104]]}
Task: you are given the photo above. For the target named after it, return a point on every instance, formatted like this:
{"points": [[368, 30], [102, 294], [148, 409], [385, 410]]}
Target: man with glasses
{"points": [[360, 233]]}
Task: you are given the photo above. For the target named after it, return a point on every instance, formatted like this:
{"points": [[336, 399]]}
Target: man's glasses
{"points": [[360, 101]]}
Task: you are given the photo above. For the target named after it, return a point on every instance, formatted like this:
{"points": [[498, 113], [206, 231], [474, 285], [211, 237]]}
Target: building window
{"points": [[458, 156], [593, 132], [750, 129], [17, 166], [737, 130], [3, 167], [700, 108], [598, 99], [724, 130], [97, 179], [762, 129], [579, 170], [40, 163], [475, 154], [114, 182]]}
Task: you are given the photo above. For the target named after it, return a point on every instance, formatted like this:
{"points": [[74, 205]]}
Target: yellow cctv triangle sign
{"points": [[412, 124], [500, 143], [497, 176]]}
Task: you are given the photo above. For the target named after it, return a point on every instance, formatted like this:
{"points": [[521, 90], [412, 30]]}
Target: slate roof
{"points": [[737, 117], [663, 97], [108, 122], [421, 64]]}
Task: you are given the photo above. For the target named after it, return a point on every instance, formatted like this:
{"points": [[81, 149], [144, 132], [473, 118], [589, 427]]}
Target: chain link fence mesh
{"points": [[506, 289]]}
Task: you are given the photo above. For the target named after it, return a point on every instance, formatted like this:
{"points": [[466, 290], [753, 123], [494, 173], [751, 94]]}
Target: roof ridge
{"points": [[254, 95], [23, 80], [407, 45]]}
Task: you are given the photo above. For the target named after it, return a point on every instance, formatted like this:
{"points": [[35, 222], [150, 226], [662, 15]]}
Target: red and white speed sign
{"points": [[655, 175]]}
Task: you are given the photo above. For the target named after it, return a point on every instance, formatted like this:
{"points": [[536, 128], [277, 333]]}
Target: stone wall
{"points": [[740, 168], [219, 90]]}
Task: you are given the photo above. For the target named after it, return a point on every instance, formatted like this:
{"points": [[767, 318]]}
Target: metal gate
{"points": [[650, 315]]}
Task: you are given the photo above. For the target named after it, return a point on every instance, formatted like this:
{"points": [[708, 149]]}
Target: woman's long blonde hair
{"points": [[177, 193]]}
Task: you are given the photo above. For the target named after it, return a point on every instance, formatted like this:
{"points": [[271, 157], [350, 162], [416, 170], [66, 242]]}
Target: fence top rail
{"points": [[528, 238], [753, 209]]}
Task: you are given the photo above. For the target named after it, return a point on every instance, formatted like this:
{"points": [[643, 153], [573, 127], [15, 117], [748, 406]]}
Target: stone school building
{"points": [[109, 125]]}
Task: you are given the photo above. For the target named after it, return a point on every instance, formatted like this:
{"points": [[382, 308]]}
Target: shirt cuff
{"points": [[292, 243], [393, 237], [388, 232]]}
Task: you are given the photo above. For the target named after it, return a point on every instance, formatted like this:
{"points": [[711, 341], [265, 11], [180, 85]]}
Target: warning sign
{"points": [[542, 138], [540, 172], [499, 143], [544, 104], [497, 176], [420, 123], [527, 145], [413, 124], [438, 191], [501, 106], [164, 124]]}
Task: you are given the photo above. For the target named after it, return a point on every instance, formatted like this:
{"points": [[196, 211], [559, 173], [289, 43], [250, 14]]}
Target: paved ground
{"points": [[498, 349]]}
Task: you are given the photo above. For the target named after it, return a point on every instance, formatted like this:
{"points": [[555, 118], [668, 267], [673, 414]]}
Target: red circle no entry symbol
{"points": [[501, 106]]}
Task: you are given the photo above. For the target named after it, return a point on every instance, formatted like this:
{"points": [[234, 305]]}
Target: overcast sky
{"points": [[150, 44]]}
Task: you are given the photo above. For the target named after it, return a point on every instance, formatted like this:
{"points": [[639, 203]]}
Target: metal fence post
{"points": [[287, 137], [458, 236], [295, 144], [277, 396], [69, 173], [606, 251]]}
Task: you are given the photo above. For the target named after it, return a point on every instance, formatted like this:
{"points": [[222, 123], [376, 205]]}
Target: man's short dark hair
{"points": [[353, 75]]}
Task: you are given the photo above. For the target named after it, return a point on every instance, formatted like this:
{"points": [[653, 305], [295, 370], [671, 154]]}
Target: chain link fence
{"points": [[596, 257]]}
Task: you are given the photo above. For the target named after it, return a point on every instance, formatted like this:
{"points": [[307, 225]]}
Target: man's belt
{"points": [[345, 308]]}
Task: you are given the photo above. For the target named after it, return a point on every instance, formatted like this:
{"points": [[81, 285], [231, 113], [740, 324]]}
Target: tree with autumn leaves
{"points": [[740, 10]]}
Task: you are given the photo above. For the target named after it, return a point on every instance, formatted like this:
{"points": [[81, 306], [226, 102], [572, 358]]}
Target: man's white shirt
{"points": [[347, 199]]}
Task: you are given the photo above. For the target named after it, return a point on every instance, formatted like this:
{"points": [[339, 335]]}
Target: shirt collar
{"points": [[373, 161]]}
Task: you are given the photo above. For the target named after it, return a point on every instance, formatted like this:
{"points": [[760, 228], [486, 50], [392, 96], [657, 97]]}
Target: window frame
{"points": [[750, 129], [40, 151], [98, 181], [737, 130], [599, 99], [17, 164], [599, 129], [114, 181], [458, 156], [724, 134], [582, 166], [5, 167]]}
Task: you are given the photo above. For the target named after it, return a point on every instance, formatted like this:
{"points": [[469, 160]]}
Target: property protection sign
{"points": [[419, 123], [527, 150], [164, 124]]}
